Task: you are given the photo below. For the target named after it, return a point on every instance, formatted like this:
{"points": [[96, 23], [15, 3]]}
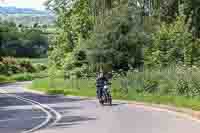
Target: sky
{"points": [[35, 4]]}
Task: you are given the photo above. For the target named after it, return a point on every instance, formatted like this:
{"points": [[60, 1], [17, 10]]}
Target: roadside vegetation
{"points": [[18, 41], [23, 53], [152, 48], [13, 69], [43, 61], [172, 86]]}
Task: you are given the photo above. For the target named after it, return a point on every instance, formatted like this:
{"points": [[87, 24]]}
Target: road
{"points": [[24, 112]]}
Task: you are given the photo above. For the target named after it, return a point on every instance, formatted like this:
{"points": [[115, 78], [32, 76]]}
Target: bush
{"points": [[150, 85], [23, 77], [181, 81], [189, 84], [10, 66], [40, 67], [172, 44], [27, 66], [3, 69]]}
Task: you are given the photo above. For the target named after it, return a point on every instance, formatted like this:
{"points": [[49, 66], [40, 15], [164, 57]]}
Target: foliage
{"points": [[159, 38], [36, 61], [9, 66], [172, 44], [19, 42], [40, 67], [171, 81], [85, 87], [27, 66], [73, 24], [27, 76], [119, 41], [22, 77]]}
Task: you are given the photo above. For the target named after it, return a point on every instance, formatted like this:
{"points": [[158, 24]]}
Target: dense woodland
{"points": [[125, 34]]}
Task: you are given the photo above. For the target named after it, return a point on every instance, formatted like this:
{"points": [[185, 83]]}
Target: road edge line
{"points": [[49, 116]]}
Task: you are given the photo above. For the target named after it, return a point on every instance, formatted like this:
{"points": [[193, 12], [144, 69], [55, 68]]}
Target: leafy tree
{"points": [[74, 23], [119, 41], [125, 34], [35, 25]]}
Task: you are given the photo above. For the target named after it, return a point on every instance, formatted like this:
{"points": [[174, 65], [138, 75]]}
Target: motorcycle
{"points": [[106, 95]]}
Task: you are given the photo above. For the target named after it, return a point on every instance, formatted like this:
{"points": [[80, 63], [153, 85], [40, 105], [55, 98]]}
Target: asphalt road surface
{"points": [[24, 112]]}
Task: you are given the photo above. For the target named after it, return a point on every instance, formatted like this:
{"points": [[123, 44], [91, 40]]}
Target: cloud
{"points": [[36, 4]]}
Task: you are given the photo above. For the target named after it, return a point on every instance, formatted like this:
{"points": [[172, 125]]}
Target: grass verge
{"points": [[4, 79], [86, 87], [22, 77], [36, 60]]}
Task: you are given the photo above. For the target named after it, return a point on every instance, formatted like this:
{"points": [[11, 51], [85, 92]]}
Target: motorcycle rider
{"points": [[101, 81]]}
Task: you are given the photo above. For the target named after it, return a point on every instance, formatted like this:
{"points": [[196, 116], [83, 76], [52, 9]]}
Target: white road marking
{"points": [[40, 106], [25, 107], [15, 119]]}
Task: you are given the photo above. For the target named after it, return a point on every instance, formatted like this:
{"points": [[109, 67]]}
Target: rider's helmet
{"points": [[100, 75]]}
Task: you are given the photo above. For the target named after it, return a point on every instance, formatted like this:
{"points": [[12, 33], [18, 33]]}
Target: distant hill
{"points": [[15, 10], [26, 16]]}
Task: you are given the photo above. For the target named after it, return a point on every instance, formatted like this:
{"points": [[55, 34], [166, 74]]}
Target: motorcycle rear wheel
{"points": [[110, 101]]}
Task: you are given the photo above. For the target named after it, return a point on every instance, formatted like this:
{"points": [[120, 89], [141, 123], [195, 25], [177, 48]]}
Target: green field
{"points": [[37, 60]]}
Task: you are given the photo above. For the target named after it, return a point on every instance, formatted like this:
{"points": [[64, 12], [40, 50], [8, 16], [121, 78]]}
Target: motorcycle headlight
{"points": [[105, 87]]}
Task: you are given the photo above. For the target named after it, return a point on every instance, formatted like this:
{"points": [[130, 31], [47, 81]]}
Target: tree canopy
{"points": [[21, 42], [125, 34]]}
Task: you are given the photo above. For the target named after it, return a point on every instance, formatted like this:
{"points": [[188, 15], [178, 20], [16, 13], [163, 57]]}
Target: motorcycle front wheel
{"points": [[101, 101]]}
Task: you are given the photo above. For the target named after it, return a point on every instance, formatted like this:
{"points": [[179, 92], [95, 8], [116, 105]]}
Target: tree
{"points": [[35, 25], [120, 40], [74, 23], [21, 43]]}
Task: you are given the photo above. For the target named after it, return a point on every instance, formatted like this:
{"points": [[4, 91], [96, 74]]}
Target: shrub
{"points": [[22, 77], [9, 66], [40, 67], [27, 66], [3, 69], [150, 85], [172, 44], [189, 84], [9, 60]]}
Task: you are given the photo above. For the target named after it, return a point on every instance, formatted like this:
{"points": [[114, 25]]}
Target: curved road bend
{"points": [[73, 115]]}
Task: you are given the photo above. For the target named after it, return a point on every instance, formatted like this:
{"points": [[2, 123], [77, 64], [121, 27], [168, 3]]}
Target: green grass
{"points": [[28, 76], [86, 87], [37, 60], [68, 87], [5, 79], [40, 61], [22, 77]]}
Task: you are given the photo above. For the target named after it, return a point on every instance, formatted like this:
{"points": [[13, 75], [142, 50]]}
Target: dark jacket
{"points": [[100, 82]]}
